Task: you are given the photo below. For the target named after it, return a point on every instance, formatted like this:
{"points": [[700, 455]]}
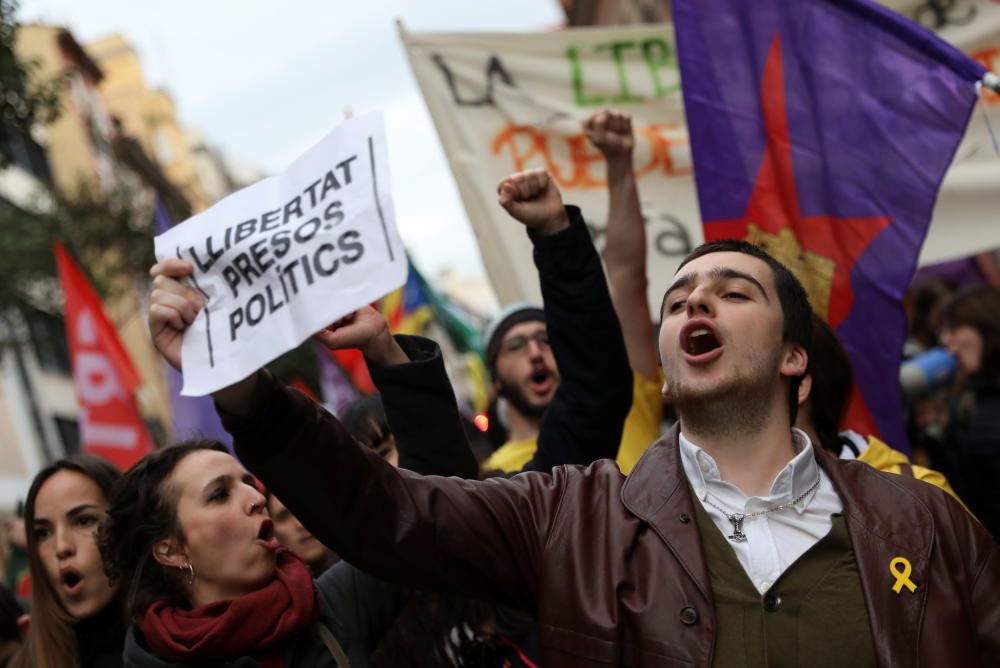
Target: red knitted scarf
{"points": [[257, 624]]}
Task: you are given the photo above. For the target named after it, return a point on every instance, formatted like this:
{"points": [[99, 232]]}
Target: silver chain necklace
{"points": [[737, 518]]}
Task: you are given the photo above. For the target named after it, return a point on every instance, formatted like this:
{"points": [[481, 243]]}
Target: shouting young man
{"points": [[734, 541]]}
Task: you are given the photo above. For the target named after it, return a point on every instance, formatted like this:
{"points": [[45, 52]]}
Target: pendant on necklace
{"points": [[737, 536]]}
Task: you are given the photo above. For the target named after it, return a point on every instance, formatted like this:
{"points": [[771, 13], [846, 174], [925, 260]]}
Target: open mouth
{"points": [[699, 340], [541, 380], [265, 535], [70, 580]]}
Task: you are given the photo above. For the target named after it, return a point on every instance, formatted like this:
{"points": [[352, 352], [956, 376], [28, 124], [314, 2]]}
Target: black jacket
{"points": [[100, 638], [584, 421]]}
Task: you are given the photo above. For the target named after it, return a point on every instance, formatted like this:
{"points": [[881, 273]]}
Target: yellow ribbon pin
{"points": [[902, 575]]}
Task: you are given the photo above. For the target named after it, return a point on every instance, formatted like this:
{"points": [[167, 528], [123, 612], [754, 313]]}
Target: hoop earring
{"points": [[188, 570]]}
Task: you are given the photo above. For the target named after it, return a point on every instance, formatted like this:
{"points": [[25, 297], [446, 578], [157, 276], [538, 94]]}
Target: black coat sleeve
{"points": [[422, 412], [584, 421]]}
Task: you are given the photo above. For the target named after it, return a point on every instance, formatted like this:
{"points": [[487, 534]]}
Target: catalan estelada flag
{"points": [[821, 129], [407, 309]]}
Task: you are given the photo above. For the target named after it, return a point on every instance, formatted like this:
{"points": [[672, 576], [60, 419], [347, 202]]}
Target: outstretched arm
{"points": [[481, 539], [415, 392], [625, 238]]}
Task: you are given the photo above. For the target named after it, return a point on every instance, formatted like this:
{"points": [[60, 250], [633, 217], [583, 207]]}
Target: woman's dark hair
{"points": [[924, 302], [142, 513], [366, 421], [978, 308], [832, 381], [50, 641]]}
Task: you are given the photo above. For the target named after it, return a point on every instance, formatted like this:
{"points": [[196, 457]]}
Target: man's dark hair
{"points": [[832, 380], [795, 308], [366, 421]]}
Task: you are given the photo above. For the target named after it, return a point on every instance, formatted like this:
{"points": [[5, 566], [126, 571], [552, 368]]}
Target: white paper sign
{"points": [[289, 255]]}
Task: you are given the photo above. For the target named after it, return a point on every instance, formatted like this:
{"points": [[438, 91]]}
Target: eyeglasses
{"points": [[519, 342]]}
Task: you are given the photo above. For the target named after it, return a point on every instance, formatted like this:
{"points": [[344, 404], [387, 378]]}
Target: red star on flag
{"points": [[774, 204]]}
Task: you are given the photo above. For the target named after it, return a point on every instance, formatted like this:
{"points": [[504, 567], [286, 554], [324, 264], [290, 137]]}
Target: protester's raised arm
{"points": [[422, 412], [480, 539], [532, 198], [416, 394], [625, 238], [583, 422]]}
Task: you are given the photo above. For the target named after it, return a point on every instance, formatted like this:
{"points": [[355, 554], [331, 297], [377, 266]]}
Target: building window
{"points": [[48, 339], [69, 435]]}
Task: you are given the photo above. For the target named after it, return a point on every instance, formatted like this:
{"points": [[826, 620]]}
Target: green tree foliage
{"points": [[24, 99], [110, 233], [111, 237]]}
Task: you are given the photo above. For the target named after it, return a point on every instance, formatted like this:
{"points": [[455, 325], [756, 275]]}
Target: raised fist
{"points": [[611, 132], [532, 198]]}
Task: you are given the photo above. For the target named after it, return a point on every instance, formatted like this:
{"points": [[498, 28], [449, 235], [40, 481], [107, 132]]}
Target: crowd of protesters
{"points": [[754, 531]]}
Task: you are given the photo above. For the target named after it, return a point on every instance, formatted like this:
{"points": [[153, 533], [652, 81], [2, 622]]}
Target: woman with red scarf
{"points": [[189, 543]]}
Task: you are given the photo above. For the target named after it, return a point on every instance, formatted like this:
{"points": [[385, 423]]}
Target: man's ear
{"points": [[168, 552], [665, 391], [794, 363], [805, 388]]}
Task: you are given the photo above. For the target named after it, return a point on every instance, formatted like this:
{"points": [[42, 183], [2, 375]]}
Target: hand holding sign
{"points": [[279, 259], [611, 132], [172, 308], [366, 330], [532, 198]]}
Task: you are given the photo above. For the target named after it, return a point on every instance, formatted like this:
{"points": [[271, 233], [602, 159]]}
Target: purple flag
{"points": [[338, 393], [821, 129], [194, 417]]}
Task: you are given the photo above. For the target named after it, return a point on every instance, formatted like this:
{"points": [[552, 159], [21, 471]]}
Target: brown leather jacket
{"points": [[613, 566]]}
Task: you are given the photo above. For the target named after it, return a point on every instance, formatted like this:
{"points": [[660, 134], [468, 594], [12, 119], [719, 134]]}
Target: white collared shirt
{"points": [[776, 539]]}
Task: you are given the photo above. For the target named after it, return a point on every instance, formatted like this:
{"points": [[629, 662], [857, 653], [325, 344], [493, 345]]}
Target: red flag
{"points": [[104, 376]]}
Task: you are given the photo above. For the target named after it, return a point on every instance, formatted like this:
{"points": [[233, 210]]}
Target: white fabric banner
{"points": [[287, 256], [506, 102], [967, 216]]}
